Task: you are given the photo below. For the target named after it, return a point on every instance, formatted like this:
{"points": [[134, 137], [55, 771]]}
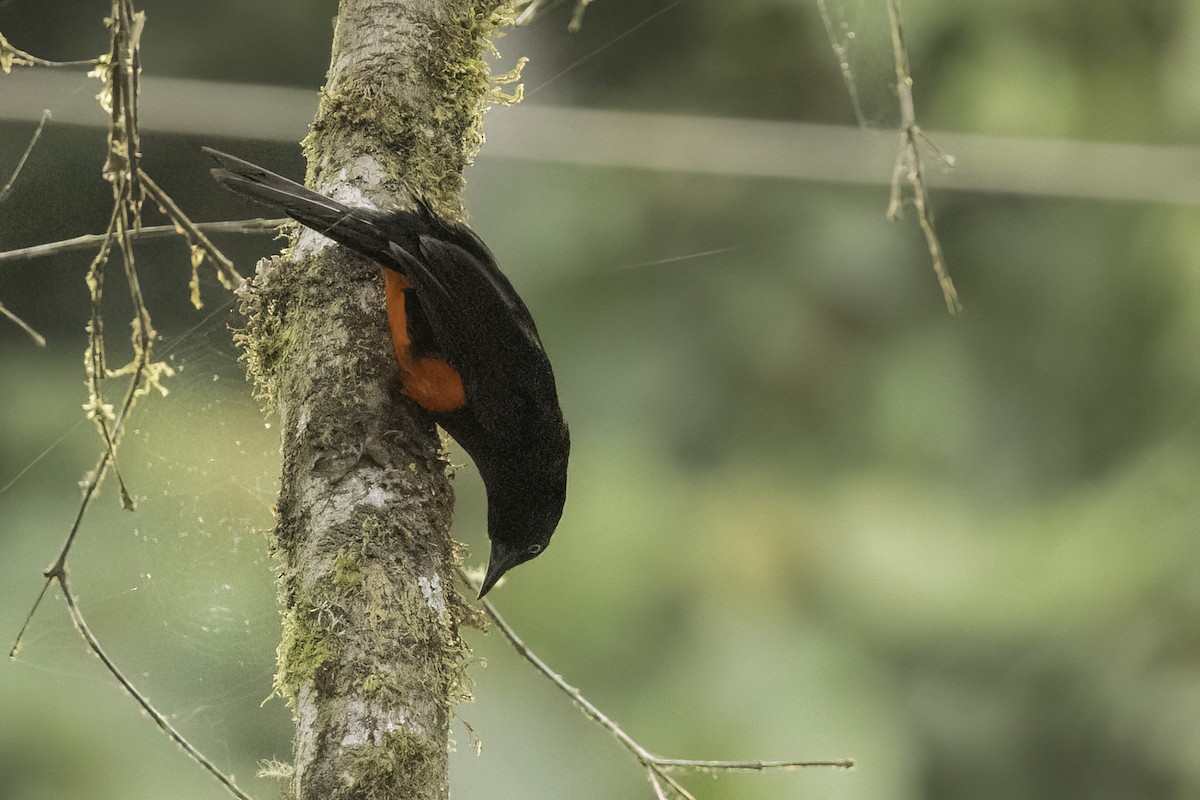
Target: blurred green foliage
{"points": [[810, 515]]}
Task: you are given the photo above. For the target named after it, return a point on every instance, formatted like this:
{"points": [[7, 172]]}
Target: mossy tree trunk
{"points": [[370, 659]]}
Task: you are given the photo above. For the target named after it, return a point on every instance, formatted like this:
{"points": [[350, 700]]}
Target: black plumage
{"points": [[458, 309]]}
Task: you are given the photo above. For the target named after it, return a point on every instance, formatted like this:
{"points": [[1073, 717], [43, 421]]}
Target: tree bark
{"points": [[370, 658]]}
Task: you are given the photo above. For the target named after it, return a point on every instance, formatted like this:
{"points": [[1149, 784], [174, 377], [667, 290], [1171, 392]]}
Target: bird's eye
{"points": [[534, 549]]}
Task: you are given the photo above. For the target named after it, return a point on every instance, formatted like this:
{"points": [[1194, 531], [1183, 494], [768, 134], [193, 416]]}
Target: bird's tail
{"points": [[356, 228]]}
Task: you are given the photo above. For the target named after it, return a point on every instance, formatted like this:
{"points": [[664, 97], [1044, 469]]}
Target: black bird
{"points": [[468, 350]]}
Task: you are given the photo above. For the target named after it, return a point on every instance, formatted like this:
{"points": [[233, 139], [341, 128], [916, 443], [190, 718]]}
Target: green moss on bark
{"points": [[370, 659], [304, 647], [399, 766]]}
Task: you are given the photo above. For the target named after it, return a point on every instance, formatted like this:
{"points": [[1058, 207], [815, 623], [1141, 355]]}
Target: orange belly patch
{"points": [[432, 383]]}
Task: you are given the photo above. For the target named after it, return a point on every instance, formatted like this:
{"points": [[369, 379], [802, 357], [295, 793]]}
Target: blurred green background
{"points": [[810, 514]]}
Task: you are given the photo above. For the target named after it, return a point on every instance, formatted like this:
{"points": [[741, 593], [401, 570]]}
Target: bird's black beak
{"points": [[495, 571], [500, 562]]}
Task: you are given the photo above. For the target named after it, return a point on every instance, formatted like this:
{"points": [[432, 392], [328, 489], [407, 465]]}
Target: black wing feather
{"points": [[491, 342], [477, 319], [458, 234], [363, 230]]}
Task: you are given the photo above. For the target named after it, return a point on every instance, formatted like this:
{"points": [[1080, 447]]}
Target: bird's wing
{"points": [[452, 232], [360, 229], [486, 333]]}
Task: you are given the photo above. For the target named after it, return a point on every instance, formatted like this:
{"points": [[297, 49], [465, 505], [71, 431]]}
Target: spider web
{"points": [[859, 34], [176, 590]]}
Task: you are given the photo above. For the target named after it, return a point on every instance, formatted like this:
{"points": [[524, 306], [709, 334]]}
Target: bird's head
{"points": [[518, 534]]}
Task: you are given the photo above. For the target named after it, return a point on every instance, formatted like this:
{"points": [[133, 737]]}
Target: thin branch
{"points": [[530, 9], [59, 566], [576, 23], [124, 152], [908, 162], [657, 766], [37, 134], [4, 192], [96, 369], [121, 169], [23, 325], [747, 766], [195, 236], [161, 721], [15, 57], [659, 792], [176, 343], [257, 225]]}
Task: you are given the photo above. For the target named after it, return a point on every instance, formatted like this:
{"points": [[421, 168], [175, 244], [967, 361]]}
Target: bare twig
{"points": [[4, 192], [15, 57], [120, 76], [176, 342], [659, 792], [96, 370], [161, 721], [23, 325], [196, 238], [528, 11], [57, 573], [121, 84], [908, 162], [86, 241], [532, 7], [657, 767], [576, 23], [37, 134], [59, 566]]}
